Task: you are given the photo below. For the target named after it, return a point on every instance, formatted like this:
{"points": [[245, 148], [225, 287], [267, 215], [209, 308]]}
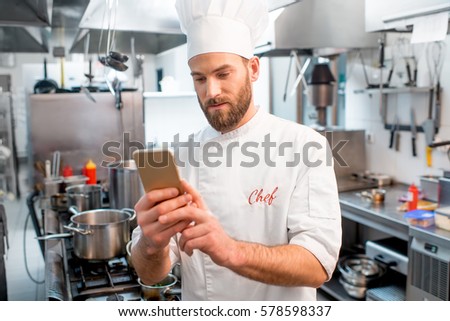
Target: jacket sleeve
{"points": [[314, 215]]}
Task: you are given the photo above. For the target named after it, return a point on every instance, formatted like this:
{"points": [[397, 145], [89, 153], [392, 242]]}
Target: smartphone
{"points": [[157, 169]]}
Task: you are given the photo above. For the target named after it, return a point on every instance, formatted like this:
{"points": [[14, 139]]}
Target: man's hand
{"points": [[151, 207], [204, 233]]}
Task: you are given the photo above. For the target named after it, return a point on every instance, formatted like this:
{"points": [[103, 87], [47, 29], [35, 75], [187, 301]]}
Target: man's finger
{"points": [[154, 197]]}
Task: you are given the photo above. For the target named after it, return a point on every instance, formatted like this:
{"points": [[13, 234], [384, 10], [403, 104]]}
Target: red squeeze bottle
{"points": [[413, 197], [67, 171], [91, 172]]}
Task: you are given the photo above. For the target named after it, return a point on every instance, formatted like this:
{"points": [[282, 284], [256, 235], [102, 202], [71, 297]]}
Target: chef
{"points": [[260, 217]]}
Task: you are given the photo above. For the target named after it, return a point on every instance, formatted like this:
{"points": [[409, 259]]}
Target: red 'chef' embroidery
{"points": [[258, 196]]}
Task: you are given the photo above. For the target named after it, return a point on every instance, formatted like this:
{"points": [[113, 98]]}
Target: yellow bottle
{"points": [[91, 172]]}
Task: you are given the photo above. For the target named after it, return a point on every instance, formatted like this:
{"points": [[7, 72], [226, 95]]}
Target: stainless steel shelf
{"points": [[399, 90]]}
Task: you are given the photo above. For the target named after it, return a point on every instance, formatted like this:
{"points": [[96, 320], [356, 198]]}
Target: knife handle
{"points": [[429, 156], [391, 140], [414, 151], [408, 71], [397, 141]]}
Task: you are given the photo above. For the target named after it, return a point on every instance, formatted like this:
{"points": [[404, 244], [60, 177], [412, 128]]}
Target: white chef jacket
{"points": [[284, 194]]}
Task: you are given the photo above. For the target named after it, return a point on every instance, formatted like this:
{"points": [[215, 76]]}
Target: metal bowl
{"points": [[156, 292], [357, 292], [360, 270]]}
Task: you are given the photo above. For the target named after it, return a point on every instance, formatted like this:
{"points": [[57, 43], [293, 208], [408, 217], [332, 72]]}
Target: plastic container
{"points": [[420, 218], [413, 197], [91, 172], [442, 218]]}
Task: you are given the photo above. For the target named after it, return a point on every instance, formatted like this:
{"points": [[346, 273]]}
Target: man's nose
{"points": [[212, 88]]}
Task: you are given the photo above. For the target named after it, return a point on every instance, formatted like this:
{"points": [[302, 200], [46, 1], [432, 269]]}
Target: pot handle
{"points": [[78, 230], [74, 210], [53, 236], [131, 211]]}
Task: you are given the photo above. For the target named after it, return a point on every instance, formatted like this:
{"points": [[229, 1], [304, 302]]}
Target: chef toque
{"points": [[231, 26]]}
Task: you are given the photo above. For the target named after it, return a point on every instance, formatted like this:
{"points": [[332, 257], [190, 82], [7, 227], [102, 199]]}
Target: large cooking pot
{"points": [[98, 234], [84, 197], [125, 187]]}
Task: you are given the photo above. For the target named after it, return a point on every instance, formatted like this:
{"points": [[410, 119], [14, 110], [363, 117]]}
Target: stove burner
{"points": [[112, 278]]}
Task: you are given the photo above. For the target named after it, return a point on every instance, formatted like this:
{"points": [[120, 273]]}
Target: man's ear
{"points": [[253, 66]]}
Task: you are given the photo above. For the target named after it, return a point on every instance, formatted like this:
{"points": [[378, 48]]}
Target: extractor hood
{"points": [[40, 26], [23, 39], [23, 25], [25, 13], [153, 25], [388, 15], [317, 27]]}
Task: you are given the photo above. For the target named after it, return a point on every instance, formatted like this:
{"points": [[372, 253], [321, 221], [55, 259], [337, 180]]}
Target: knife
{"points": [[393, 129], [413, 133], [397, 136]]}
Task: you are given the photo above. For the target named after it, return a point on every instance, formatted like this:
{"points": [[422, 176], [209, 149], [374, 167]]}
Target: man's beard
{"points": [[227, 119]]}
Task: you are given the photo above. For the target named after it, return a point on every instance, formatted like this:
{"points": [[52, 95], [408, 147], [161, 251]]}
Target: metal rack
{"points": [[8, 172]]}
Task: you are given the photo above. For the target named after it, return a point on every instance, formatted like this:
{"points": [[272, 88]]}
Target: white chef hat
{"points": [[231, 26]]}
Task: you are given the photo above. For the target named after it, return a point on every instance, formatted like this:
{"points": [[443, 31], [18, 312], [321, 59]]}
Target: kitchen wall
{"points": [[363, 112]]}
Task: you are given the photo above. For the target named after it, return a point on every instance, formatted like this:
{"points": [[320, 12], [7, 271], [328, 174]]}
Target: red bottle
{"points": [[413, 197], [67, 171]]}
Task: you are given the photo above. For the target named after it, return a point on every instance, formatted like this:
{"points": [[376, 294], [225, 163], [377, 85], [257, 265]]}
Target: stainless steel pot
{"points": [[98, 234], [101, 234], [358, 273], [125, 187], [84, 197]]}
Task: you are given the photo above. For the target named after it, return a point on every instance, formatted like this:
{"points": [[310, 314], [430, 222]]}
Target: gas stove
{"points": [[109, 280], [105, 280], [72, 278]]}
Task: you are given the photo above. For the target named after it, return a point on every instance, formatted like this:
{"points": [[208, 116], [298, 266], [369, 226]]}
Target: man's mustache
{"points": [[215, 101]]}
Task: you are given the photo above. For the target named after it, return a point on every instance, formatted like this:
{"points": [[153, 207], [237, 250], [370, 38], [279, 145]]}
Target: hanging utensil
{"points": [[83, 88], [413, 133], [435, 59], [300, 77], [428, 124], [56, 163], [48, 171], [436, 56], [287, 79]]}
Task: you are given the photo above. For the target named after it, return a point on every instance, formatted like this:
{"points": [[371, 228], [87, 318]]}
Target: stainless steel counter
{"points": [[388, 219], [385, 217]]}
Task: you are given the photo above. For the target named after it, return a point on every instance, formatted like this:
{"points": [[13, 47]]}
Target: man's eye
{"points": [[200, 79], [224, 75]]}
